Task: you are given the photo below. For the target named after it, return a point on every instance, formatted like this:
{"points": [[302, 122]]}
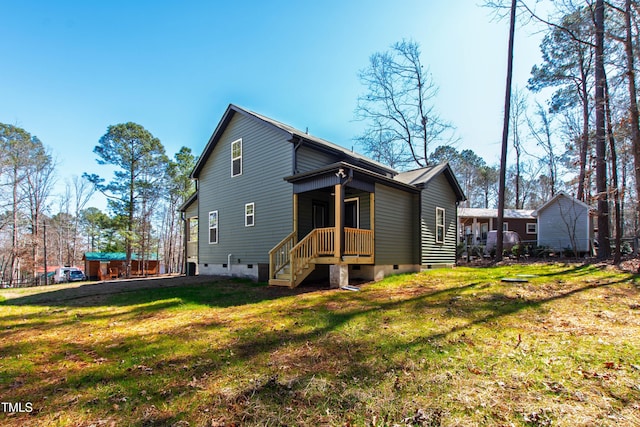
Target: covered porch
{"points": [[333, 224]]}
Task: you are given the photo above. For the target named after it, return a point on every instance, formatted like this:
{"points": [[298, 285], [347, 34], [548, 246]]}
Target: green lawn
{"points": [[450, 347]]}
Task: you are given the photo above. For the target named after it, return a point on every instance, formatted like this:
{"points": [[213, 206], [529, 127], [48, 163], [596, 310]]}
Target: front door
{"points": [[320, 214], [352, 213]]}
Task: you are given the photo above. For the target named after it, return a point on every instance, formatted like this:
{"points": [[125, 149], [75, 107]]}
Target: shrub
{"points": [[516, 251], [541, 251], [460, 249]]}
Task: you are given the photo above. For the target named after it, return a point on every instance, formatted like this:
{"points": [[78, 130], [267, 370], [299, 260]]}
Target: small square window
{"points": [[505, 226], [249, 214], [236, 158], [532, 228]]}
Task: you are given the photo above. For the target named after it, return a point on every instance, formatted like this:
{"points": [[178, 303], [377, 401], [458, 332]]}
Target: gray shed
{"points": [[565, 222]]}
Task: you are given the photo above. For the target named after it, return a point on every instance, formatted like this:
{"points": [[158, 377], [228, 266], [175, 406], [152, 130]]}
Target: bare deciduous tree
{"points": [[403, 125]]}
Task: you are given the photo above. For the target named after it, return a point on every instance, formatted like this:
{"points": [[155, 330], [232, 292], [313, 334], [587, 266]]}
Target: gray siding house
{"points": [[276, 204]]}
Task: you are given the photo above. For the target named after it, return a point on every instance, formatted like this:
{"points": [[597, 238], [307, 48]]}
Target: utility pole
{"points": [[505, 135]]}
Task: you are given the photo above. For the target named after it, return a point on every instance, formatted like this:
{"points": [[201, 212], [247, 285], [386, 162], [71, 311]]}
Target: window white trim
{"points": [[236, 157], [532, 228], [250, 214], [505, 226], [214, 220], [440, 225]]}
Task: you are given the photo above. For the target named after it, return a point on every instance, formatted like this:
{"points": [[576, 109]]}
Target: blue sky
{"points": [[72, 68]]}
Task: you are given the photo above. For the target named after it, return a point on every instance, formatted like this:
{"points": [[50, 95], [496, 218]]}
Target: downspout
{"points": [[349, 178], [229, 263]]}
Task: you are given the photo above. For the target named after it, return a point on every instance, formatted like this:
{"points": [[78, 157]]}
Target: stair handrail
{"points": [[318, 242], [279, 256]]}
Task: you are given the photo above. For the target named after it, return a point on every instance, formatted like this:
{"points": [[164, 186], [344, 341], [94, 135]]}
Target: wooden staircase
{"points": [[285, 278], [291, 262]]}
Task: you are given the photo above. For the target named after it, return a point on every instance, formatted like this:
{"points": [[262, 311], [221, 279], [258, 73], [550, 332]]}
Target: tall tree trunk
{"points": [[604, 248], [44, 248], [584, 144], [614, 178], [519, 202], [15, 260], [633, 103], [129, 238], [35, 234], [505, 133]]}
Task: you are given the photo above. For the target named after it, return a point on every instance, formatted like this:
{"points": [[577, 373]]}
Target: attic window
{"points": [[236, 158]]}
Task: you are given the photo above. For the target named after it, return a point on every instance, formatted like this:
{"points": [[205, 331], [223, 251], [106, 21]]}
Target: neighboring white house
{"points": [[477, 222], [564, 222]]}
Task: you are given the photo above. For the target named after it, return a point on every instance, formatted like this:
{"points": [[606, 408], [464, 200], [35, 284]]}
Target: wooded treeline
{"points": [[41, 230], [573, 128]]}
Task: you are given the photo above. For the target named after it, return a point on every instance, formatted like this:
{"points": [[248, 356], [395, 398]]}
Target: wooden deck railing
{"points": [[317, 243], [320, 242], [358, 242], [325, 241], [279, 256]]}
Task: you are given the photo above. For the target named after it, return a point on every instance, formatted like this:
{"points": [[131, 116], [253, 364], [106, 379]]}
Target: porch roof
{"points": [[188, 202], [493, 213], [342, 172]]}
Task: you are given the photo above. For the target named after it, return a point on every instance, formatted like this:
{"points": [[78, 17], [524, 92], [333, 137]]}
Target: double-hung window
{"points": [[236, 158], [213, 227], [440, 229], [249, 214]]}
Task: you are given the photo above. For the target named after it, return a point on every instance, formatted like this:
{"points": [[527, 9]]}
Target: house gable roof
{"points": [[289, 133], [556, 197], [422, 177]]}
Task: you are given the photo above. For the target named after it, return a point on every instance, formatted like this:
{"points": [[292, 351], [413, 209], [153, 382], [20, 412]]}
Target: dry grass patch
{"points": [[439, 348]]}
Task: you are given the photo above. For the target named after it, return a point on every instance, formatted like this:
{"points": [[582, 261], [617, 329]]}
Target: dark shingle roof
{"points": [[291, 134], [421, 177]]}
